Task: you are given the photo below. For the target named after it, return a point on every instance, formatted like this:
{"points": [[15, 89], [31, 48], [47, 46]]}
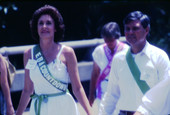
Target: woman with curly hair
{"points": [[48, 68]]}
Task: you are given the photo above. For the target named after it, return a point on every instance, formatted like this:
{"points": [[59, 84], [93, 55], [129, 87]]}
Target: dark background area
{"points": [[83, 20]]}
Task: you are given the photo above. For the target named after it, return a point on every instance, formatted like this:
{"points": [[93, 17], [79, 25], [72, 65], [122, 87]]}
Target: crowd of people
{"points": [[128, 78]]}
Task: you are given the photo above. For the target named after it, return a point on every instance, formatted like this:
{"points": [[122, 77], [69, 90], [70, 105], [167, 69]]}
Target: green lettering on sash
{"points": [[41, 63], [54, 83], [45, 71], [40, 59], [51, 80], [43, 67], [48, 77], [62, 87], [38, 55]]}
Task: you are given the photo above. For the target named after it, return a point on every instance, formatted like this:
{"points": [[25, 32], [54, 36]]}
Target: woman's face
{"points": [[46, 27]]}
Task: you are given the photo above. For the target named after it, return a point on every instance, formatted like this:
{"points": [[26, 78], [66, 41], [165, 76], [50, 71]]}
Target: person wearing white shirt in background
{"points": [[134, 71], [102, 56], [157, 100]]}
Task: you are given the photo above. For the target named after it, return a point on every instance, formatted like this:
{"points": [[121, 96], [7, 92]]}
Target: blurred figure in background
{"points": [[6, 106], [102, 59]]}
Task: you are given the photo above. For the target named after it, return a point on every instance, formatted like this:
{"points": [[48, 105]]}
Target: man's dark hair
{"points": [[111, 30], [137, 15]]}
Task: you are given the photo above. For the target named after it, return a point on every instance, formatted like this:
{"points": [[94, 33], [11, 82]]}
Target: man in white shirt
{"points": [[157, 100], [134, 71]]}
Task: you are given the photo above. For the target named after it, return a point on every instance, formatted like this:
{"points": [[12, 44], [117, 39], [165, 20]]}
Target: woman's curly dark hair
{"points": [[55, 15]]}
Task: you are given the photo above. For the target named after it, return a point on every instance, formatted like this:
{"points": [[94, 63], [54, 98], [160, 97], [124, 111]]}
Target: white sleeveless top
{"points": [[57, 105], [57, 68]]}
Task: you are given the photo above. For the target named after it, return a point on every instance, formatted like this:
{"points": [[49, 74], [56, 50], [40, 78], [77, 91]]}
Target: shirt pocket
{"points": [[149, 74]]}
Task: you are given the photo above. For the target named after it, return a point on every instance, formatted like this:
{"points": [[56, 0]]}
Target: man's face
{"points": [[135, 33], [111, 43]]}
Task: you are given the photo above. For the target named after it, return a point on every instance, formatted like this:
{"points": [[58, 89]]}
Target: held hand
{"points": [[90, 112], [91, 100], [18, 113], [10, 111]]}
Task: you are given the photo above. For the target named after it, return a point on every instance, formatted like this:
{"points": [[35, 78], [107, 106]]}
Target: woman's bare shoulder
{"points": [[27, 53], [67, 50], [2, 59]]}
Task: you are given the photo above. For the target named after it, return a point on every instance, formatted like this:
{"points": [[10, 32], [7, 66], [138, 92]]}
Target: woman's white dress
{"points": [[56, 105]]}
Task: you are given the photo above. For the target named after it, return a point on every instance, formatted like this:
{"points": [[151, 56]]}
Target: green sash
{"points": [[45, 71], [136, 72]]}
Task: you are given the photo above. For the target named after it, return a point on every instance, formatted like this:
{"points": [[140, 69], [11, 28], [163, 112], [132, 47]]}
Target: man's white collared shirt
{"points": [[123, 91]]}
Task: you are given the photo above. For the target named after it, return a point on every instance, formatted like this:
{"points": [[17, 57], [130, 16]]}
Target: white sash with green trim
{"points": [[136, 72], [41, 62]]}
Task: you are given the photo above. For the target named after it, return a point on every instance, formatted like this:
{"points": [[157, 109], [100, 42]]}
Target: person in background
{"points": [[134, 71], [157, 100], [102, 58], [6, 106], [48, 68]]}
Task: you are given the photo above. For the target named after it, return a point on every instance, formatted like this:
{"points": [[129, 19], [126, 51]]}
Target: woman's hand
{"points": [[10, 110]]}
